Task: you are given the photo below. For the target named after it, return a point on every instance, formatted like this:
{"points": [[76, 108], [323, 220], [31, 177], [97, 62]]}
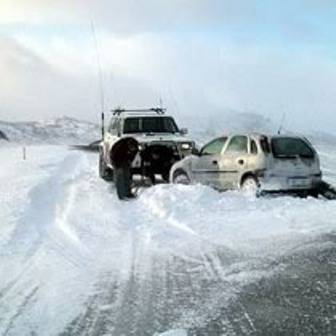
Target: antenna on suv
{"points": [[100, 74], [281, 123]]}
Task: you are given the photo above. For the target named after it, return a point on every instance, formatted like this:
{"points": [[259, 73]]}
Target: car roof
{"points": [[252, 135], [260, 135]]}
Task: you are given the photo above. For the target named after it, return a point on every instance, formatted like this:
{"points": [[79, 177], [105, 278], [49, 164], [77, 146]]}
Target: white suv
{"points": [[254, 161], [160, 143]]}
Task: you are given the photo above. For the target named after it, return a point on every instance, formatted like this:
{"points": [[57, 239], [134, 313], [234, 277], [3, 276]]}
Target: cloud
{"points": [[128, 16], [32, 88], [200, 57], [191, 79]]}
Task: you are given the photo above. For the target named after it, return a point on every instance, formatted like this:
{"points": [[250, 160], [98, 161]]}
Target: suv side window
{"points": [[254, 148], [214, 147], [113, 128], [238, 144]]}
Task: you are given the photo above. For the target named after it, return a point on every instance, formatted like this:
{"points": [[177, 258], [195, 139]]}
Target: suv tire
{"points": [[165, 176], [104, 172], [123, 182]]}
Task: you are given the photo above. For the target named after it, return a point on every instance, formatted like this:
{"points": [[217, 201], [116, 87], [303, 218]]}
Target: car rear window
{"points": [[288, 147]]}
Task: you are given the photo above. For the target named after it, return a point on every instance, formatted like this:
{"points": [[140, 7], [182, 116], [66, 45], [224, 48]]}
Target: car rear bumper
{"points": [[290, 183]]}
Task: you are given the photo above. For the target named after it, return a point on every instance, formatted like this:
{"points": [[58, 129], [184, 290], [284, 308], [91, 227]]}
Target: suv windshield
{"points": [[150, 125], [291, 147]]}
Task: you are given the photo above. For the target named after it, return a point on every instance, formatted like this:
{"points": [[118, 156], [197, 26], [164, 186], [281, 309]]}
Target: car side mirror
{"points": [[196, 151], [183, 131]]}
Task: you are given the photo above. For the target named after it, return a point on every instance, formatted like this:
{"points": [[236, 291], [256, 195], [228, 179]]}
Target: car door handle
{"points": [[241, 161], [215, 162]]}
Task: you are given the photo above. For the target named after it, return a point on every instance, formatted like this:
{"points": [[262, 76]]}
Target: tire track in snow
{"points": [[25, 303], [45, 207]]}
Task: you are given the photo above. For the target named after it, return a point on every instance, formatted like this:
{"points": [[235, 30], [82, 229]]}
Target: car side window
{"points": [[238, 144], [265, 145], [254, 148], [214, 147]]}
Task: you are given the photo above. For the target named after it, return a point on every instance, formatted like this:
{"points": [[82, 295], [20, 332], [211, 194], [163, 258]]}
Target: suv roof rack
{"points": [[158, 110]]}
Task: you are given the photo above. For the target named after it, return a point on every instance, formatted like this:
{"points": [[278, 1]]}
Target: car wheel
{"points": [[104, 172], [181, 177], [250, 185]]}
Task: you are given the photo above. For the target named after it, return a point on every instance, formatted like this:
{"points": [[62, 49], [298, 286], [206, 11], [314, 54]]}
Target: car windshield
{"points": [[214, 147], [291, 147], [150, 125]]}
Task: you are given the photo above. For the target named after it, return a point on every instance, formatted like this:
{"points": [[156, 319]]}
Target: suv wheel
{"points": [[314, 193], [181, 177], [104, 172], [165, 176], [250, 184], [123, 182]]}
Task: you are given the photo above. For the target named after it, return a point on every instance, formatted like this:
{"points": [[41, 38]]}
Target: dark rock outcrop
{"points": [[3, 136]]}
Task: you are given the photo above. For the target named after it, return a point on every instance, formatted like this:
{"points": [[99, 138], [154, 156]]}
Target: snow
{"points": [[73, 258]]}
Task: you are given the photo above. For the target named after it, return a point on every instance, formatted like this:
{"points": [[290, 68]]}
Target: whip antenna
{"points": [[282, 123], [100, 76]]}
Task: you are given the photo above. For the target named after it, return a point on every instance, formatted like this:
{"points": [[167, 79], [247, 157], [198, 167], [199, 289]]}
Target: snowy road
{"points": [[74, 260]]}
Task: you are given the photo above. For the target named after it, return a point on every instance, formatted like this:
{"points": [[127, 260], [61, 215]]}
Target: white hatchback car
{"points": [[253, 162]]}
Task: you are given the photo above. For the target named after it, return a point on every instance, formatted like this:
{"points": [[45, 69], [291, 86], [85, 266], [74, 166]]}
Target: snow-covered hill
{"points": [[62, 130]]}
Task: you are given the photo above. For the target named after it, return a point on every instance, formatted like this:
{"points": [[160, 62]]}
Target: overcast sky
{"points": [[197, 56]]}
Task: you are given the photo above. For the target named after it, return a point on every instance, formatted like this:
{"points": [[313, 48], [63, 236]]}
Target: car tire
{"points": [[326, 190], [250, 185], [104, 172], [180, 177], [123, 182]]}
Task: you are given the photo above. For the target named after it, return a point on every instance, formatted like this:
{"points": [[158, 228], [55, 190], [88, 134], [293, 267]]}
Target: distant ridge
{"points": [[64, 130]]}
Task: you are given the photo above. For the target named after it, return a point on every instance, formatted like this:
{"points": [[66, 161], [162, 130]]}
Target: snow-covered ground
{"points": [[178, 260]]}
